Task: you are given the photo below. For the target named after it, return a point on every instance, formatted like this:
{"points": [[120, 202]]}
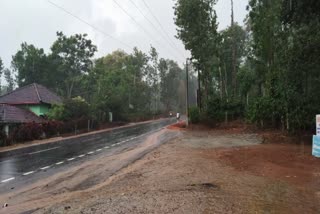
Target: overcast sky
{"points": [[36, 22]]}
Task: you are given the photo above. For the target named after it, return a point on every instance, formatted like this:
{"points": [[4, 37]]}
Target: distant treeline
{"points": [[131, 86]]}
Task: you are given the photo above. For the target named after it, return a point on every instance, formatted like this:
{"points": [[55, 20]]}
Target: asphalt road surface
{"points": [[24, 166]]}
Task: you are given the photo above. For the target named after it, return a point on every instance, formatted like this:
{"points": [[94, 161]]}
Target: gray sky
{"points": [[36, 22]]}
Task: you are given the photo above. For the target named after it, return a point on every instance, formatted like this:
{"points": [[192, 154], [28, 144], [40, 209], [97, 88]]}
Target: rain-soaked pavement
{"points": [[27, 165]]}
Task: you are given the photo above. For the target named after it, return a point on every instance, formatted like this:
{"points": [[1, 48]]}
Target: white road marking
{"points": [[71, 159], [98, 150], [45, 150], [46, 167], [28, 173], [118, 143], [90, 153], [106, 147], [113, 145], [59, 163], [80, 156], [9, 179]]}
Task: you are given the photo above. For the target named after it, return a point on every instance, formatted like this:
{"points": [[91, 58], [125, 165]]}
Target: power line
{"points": [[159, 31], [98, 29], [157, 20], [135, 21], [90, 25]]}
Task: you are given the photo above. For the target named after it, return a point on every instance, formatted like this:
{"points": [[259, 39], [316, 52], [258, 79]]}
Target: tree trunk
{"points": [[221, 84], [247, 98], [226, 81], [70, 89], [199, 89]]}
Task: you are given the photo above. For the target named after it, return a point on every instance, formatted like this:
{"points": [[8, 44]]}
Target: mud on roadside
{"points": [[207, 171]]}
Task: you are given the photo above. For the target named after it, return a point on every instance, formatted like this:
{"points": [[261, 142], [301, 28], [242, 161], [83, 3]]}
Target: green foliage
{"points": [[169, 77], [128, 85], [197, 28], [260, 110], [72, 59], [194, 115], [57, 112], [232, 49], [134, 84], [215, 110], [9, 79], [71, 109], [31, 65], [1, 66]]}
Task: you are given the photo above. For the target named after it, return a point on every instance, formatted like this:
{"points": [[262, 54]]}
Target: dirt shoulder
{"points": [[199, 172]]}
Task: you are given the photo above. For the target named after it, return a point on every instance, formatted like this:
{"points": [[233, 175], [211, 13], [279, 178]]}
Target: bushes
{"points": [[27, 132], [71, 109], [52, 128], [218, 110], [194, 115], [34, 131], [214, 111]]}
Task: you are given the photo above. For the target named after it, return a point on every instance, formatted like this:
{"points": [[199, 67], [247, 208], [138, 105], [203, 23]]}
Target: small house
{"points": [[26, 104], [12, 115], [33, 97]]}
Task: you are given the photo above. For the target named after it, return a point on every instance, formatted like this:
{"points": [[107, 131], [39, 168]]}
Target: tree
{"points": [[197, 28], [1, 65], [152, 75], [169, 73], [119, 86], [9, 79], [1, 70], [72, 58], [285, 50], [31, 65], [71, 109], [232, 41]]}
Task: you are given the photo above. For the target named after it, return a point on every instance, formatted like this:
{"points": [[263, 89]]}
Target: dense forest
{"points": [[133, 86], [266, 71]]}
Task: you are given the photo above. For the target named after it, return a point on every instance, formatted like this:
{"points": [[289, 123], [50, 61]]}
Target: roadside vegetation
{"points": [[133, 86], [266, 71]]}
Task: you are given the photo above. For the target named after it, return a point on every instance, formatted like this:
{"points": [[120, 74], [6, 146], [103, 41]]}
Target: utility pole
{"points": [[187, 94]]}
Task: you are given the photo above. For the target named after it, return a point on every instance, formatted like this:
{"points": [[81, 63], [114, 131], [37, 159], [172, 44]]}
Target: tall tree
{"points": [[31, 65], [197, 28], [233, 41], [234, 53], [1, 70], [9, 79], [1, 65], [170, 73], [153, 78], [72, 57]]}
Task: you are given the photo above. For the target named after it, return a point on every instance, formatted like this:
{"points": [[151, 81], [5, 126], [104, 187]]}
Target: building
{"points": [[33, 97], [12, 115], [26, 104]]}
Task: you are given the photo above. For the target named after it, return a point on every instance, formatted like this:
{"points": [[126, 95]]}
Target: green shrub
{"points": [[194, 115], [71, 109]]}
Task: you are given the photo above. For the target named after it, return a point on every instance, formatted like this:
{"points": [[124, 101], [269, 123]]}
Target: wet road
{"points": [[33, 163]]}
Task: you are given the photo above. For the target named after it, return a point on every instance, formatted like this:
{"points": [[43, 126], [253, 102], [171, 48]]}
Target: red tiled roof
{"points": [[30, 94], [13, 114]]}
